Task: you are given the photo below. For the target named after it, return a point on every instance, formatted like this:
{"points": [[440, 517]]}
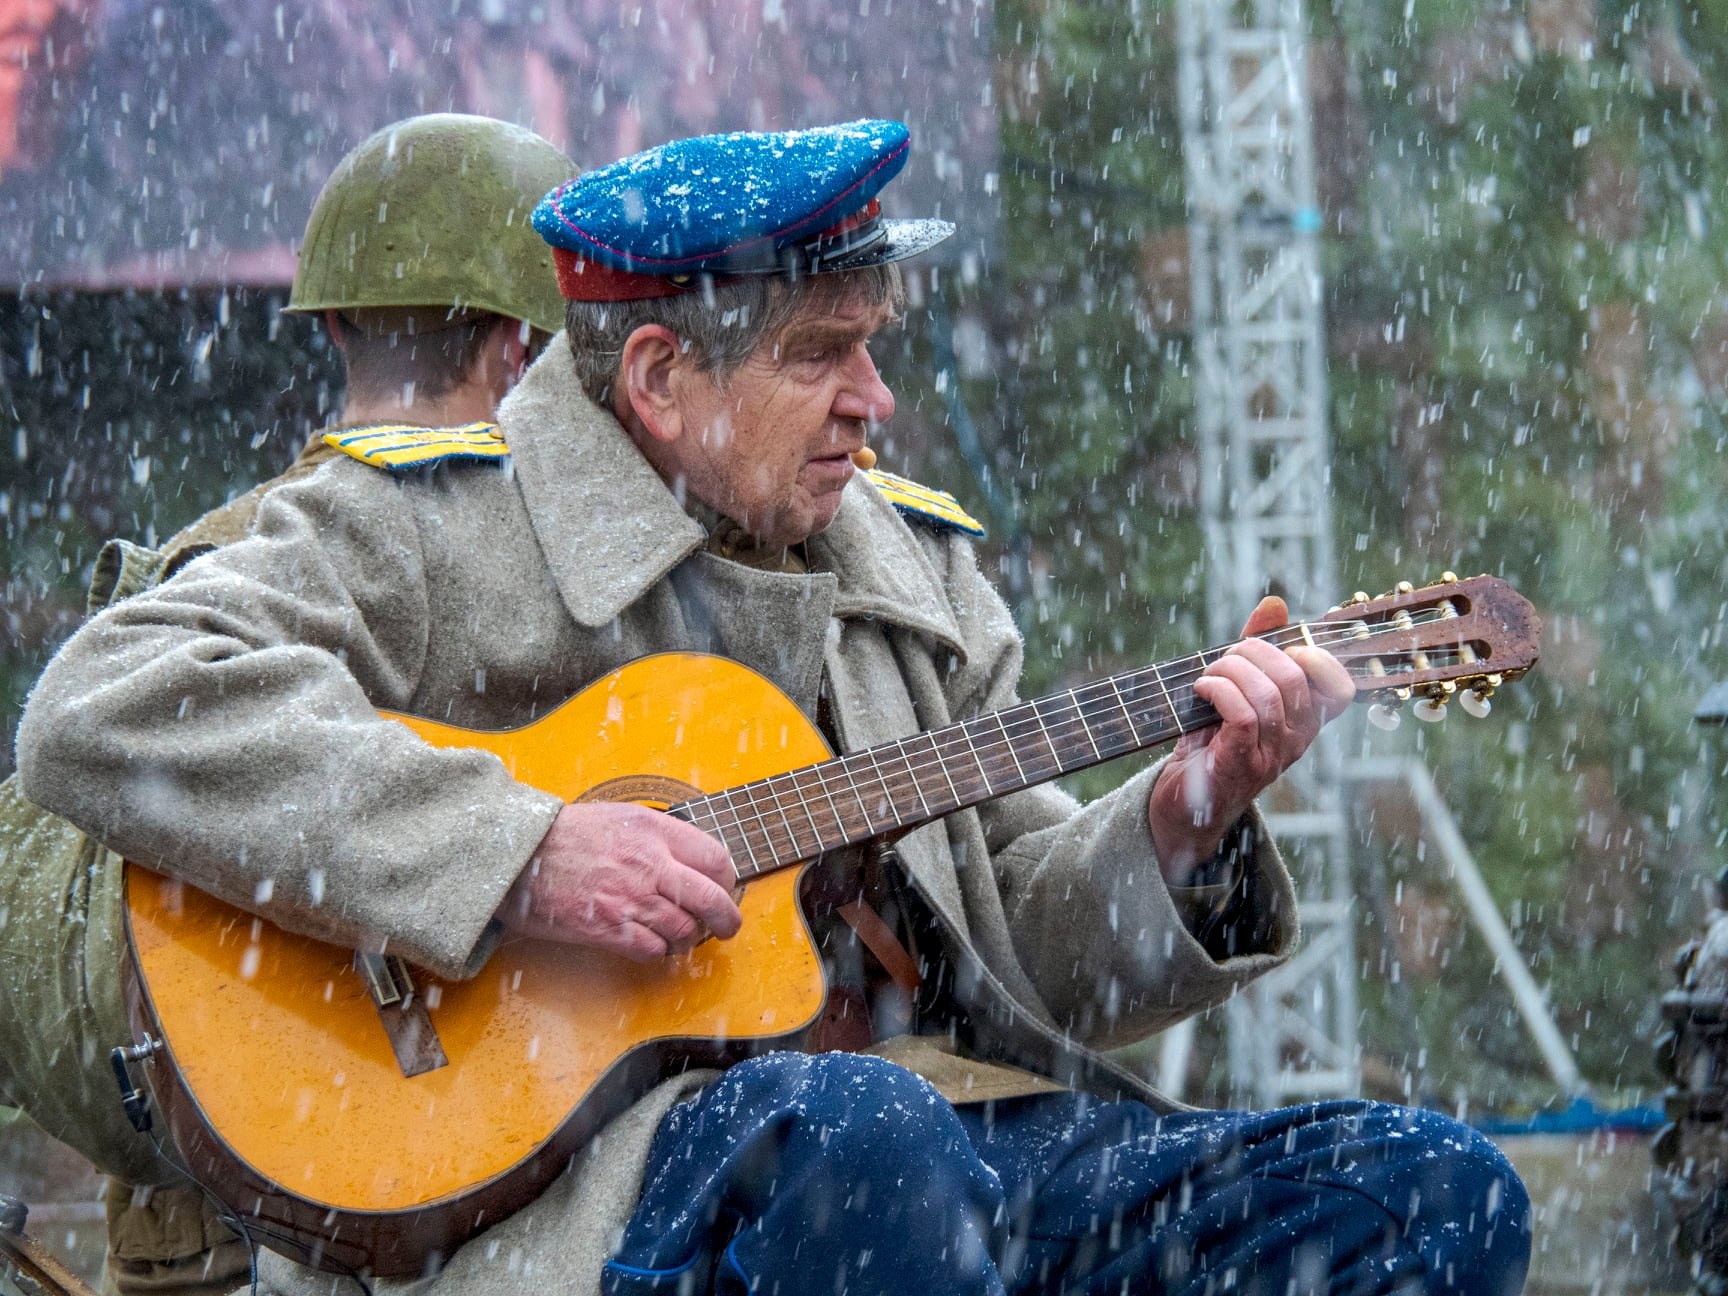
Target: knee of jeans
{"points": [[869, 1108], [825, 1076], [1478, 1174]]}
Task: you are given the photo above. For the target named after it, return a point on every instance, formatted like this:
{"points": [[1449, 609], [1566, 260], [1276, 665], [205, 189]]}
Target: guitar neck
{"points": [[889, 789]]}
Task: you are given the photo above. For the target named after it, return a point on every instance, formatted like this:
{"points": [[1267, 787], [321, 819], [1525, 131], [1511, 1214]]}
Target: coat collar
{"points": [[611, 530], [884, 573], [608, 526]]}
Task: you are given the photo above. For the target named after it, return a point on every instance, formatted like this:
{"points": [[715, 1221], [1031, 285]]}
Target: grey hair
{"points": [[721, 324]]}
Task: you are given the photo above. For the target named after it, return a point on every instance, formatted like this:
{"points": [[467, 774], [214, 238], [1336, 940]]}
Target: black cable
{"points": [[232, 1218]]}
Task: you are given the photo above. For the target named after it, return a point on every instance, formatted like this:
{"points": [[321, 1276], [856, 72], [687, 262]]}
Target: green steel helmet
{"points": [[434, 211]]}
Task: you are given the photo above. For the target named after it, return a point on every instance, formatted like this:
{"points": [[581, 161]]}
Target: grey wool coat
{"points": [[223, 727]]}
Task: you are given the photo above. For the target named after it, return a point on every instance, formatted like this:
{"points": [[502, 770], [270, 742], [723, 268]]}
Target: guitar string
{"points": [[800, 791], [760, 811], [1034, 710]]}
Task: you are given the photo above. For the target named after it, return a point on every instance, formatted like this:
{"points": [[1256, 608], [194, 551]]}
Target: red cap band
{"points": [[580, 279], [583, 280]]}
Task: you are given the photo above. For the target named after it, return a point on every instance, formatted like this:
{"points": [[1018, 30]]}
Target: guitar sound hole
{"points": [[651, 790]]}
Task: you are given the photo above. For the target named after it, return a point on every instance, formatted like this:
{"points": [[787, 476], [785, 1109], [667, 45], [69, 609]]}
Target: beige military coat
{"points": [[223, 727]]}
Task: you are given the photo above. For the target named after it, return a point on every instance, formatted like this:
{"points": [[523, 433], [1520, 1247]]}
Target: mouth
{"points": [[837, 465]]}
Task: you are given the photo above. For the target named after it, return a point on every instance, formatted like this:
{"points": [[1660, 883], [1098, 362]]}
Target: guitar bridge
{"points": [[388, 980], [402, 1013]]}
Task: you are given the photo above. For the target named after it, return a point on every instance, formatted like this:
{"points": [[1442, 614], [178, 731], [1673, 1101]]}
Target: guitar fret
{"points": [[839, 823], [912, 773], [791, 832], [764, 805], [1037, 711], [1009, 744], [882, 781], [942, 768], [743, 835], [952, 759], [845, 764], [1174, 718], [1133, 729], [965, 731], [1094, 750], [1080, 715]]}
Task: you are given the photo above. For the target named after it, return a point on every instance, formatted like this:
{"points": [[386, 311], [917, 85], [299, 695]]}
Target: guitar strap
{"points": [[879, 938]]}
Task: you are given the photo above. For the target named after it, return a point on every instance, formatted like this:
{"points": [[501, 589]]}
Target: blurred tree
{"points": [[1529, 350]]}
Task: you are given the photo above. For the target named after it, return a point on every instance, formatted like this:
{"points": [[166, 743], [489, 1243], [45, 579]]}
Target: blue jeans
{"points": [[797, 1175]]}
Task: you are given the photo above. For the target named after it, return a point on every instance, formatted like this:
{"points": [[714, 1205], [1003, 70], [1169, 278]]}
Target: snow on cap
{"points": [[746, 203]]}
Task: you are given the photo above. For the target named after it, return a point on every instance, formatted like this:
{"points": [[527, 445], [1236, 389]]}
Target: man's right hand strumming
{"points": [[625, 879]]}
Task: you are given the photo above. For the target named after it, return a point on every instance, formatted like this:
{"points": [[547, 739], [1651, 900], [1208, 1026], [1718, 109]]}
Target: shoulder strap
{"points": [[396, 446], [935, 508]]}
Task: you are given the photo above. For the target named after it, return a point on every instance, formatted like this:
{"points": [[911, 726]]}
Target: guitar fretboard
{"points": [[888, 789]]}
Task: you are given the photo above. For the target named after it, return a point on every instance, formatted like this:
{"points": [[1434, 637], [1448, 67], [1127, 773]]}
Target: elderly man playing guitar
{"points": [[587, 965]]}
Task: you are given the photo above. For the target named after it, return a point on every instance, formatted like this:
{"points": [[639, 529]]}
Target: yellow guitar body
{"points": [[280, 1049]]}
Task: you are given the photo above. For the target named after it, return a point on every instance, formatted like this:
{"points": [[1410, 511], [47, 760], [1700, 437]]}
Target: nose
{"points": [[863, 395]]}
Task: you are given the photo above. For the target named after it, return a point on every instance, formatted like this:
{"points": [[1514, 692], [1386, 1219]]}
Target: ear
{"points": [[503, 357], [514, 338], [338, 334], [646, 391]]}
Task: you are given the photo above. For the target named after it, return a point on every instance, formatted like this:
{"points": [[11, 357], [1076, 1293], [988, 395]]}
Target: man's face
{"points": [[770, 445]]}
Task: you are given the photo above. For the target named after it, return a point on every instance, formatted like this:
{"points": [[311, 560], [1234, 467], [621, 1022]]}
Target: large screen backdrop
{"points": [[164, 143]]}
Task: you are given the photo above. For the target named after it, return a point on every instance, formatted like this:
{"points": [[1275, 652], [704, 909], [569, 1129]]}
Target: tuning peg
{"points": [[1384, 717], [1405, 587], [1476, 703], [1448, 578], [1432, 710]]}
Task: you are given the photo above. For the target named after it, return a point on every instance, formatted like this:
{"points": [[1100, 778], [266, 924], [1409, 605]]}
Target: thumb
{"points": [[1269, 614]]}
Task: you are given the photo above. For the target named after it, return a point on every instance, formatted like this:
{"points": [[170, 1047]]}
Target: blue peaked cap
{"points": [[785, 202]]}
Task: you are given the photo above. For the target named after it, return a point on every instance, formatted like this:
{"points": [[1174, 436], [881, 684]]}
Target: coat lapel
{"points": [[608, 526], [884, 573]]}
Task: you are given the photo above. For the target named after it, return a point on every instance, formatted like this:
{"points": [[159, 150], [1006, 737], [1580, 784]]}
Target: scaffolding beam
{"points": [[1264, 459]]}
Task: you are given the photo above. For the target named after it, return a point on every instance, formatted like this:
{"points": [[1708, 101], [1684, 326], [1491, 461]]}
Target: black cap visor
{"points": [[877, 241]]}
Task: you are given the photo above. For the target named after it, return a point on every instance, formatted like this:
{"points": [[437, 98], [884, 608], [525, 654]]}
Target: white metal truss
{"points": [[1264, 461]]}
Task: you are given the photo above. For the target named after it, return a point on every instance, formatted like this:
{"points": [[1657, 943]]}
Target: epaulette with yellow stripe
{"points": [[406, 445], [932, 507]]}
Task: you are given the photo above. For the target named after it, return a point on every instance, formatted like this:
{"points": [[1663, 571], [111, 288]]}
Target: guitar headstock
{"points": [[1455, 638]]}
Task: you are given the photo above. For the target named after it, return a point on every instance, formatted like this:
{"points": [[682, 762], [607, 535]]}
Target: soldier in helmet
{"points": [[420, 258]]}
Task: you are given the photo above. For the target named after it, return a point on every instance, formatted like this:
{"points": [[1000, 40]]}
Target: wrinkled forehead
{"points": [[836, 304]]}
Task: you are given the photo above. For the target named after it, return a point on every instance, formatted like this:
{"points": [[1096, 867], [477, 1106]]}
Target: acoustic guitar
{"points": [[365, 1115]]}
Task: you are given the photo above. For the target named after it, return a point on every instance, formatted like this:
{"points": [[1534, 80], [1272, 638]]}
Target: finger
{"points": [[1227, 699], [697, 850], [670, 923], [1331, 684], [1301, 713], [1264, 700], [640, 944], [700, 897], [1268, 614], [1285, 673]]}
